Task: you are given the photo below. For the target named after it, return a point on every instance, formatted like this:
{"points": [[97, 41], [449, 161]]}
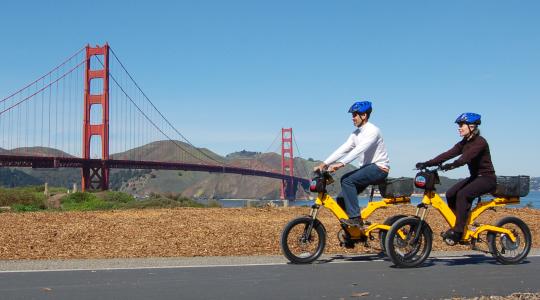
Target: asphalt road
{"points": [[334, 277]]}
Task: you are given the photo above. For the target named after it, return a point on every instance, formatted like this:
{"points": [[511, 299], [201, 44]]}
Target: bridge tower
{"points": [[287, 164], [96, 177]]}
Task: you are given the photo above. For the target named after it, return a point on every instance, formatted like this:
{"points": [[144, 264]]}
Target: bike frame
{"points": [[433, 199], [325, 200]]}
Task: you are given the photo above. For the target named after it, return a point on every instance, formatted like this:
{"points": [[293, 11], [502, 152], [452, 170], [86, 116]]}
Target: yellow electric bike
{"points": [[409, 240], [303, 239]]}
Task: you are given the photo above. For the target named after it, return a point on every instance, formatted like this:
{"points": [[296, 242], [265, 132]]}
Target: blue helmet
{"points": [[361, 107], [469, 118]]}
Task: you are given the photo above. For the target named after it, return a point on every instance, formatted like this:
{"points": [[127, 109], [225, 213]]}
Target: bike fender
{"points": [[494, 229]]}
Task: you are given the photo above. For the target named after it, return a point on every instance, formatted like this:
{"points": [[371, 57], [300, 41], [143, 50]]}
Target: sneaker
{"points": [[353, 222], [452, 235]]}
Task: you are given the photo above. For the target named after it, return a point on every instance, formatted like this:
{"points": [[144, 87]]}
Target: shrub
{"points": [[117, 197], [83, 201], [78, 197], [30, 207], [22, 196]]}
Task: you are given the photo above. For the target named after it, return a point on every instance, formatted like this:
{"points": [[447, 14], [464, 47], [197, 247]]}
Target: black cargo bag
{"points": [[319, 182], [397, 187], [512, 186], [317, 185], [426, 180]]}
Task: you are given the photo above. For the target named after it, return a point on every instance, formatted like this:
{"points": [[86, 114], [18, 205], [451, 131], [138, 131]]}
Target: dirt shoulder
{"points": [[186, 232]]}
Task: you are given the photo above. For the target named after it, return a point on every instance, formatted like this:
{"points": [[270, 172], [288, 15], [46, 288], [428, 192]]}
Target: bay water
{"points": [[531, 200]]}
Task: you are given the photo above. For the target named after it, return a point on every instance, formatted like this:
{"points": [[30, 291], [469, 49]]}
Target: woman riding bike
{"points": [[474, 151]]}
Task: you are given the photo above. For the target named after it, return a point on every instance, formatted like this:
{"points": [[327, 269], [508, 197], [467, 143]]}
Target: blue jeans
{"points": [[353, 183]]}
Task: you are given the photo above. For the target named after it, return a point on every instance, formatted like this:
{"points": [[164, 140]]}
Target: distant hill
{"points": [[213, 185], [54, 177], [39, 151], [168, 151], [242, 154], [12, 178]]}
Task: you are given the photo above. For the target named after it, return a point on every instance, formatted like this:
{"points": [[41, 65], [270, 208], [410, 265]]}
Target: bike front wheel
{"points": [[408, 242], [382, 233], [501, 246], [303, 240]]}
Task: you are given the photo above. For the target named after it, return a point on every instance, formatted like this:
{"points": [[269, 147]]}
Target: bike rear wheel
{"points": [[300, 246], [414, 248], [501, 246]]}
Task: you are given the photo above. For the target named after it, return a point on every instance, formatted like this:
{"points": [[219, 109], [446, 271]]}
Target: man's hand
{"points": [[320, 167], [334, 167]]}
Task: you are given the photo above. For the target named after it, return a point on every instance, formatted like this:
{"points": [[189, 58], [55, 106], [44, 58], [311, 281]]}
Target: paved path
{"points": [[333, 277]]}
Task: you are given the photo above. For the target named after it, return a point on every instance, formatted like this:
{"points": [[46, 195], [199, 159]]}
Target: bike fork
{"points": [[422, 218], [313, 215]]}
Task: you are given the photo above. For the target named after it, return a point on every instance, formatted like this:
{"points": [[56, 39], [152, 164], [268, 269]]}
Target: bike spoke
{"points": [[300, 244]]}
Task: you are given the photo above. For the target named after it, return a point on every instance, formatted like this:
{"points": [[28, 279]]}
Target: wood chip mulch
{"points": [[187, 232]]}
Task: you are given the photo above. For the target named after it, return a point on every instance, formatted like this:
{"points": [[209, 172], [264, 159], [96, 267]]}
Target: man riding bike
{"points": [[367, 145], [474, 151]]}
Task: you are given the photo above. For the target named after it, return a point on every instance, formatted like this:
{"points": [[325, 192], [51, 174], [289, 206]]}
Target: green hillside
{"points": [[13, 178]]}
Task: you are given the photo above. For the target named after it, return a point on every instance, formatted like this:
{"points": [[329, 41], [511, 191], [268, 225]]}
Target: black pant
{"points": [[462, 194]]}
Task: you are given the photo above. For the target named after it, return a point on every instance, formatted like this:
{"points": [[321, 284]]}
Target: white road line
{"points": [[217, 266], [144, 268]]}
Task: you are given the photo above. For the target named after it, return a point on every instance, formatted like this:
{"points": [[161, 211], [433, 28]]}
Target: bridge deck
{"points": [[75, 162]]}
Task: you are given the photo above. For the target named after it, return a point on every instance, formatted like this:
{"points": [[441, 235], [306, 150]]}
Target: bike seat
{"points": [[375, 185], [380, 182]]}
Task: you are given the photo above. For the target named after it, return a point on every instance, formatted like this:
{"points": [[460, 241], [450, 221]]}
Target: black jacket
{"points": [[474, 152]]}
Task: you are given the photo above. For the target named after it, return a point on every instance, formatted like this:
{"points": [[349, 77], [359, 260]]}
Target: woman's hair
{"points": [[475, 130]]}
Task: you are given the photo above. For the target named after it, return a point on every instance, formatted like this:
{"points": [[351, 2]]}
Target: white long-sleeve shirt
{"points": [[365, 144]]}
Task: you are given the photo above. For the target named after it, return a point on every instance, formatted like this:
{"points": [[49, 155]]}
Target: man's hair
{"points": [[368, 112]]}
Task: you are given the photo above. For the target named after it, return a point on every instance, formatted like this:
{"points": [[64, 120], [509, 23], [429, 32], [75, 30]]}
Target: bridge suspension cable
{"points": [[306, 174], [160, 114], [274, 144], [39, 115], [42, 77], [42, 89]]}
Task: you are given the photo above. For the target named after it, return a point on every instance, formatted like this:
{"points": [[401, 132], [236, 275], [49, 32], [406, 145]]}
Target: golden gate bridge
{"points": [[95, 116]]}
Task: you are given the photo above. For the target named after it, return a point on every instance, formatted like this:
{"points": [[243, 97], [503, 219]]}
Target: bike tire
{"points": [[295, 232], [497, 239], [382, 233], [398, 249]]}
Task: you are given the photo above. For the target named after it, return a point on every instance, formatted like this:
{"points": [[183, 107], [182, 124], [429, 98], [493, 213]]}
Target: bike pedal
{"points": [[347, 245]]}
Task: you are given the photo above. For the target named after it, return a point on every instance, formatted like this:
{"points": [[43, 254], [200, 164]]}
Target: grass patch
{"points": [[118, 200], [80, 201], [23, 198]]}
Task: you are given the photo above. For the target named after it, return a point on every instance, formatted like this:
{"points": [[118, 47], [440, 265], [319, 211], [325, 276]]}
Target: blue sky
{"points": [[230, 74]]}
